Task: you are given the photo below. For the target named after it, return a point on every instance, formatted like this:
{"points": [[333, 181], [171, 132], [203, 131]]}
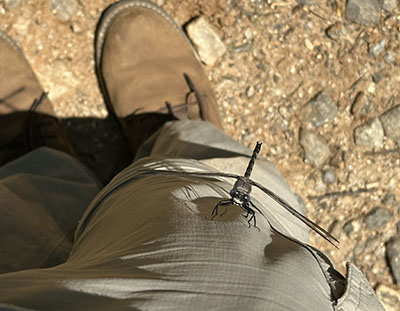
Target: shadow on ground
{"points": [[99, 144]]}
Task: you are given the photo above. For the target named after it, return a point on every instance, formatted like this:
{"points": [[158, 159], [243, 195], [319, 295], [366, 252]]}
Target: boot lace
{"points": [[187, 104]]}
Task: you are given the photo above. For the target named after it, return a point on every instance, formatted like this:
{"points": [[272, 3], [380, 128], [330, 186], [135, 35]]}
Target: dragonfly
{"points": [[240, 195]]}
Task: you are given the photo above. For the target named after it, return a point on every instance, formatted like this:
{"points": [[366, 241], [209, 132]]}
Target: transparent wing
{"points": [[186, 174], [315, 227]]}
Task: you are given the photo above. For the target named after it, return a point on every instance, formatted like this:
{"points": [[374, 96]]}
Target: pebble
{"points": [[389, 200], [337, 32], [391, 123], [241, 48], [250, 91], [21, 26], [77, 26], [305, 2], [364, 12], [377, 218], [370, 134], [393, 256], [389, 57], [377, 48], [362, 105], [315, 148], [328, 176], [352, 227], [11, 4], [206, 41], [248, 34], [389, 297], [377, 77], [64, 9], [320, 110]]}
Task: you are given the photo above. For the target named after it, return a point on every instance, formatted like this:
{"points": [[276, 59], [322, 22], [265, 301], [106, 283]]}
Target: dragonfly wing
{"points": [[186, 174], [315, 227]]}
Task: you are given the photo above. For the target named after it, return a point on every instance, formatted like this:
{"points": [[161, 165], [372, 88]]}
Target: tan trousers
{"points": [[149, 243]]}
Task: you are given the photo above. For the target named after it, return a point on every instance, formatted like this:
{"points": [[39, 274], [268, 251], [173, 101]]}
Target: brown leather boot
{"points": [[27, 119], [148, 71]]}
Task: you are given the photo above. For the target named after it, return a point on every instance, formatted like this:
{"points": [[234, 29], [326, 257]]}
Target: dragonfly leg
{"points": [[220, 203], [252, 214]]}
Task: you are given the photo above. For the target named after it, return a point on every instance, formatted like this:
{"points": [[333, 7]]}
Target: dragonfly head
{"points": [[239, 196]]}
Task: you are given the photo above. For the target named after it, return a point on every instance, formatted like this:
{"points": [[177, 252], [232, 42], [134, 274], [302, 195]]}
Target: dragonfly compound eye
{"points": [[234, 192]]}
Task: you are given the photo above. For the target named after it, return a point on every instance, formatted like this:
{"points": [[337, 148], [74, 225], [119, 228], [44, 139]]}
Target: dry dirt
{"points": [[279, 56]]}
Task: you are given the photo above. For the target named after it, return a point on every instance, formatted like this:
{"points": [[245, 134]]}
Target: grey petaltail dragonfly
{"points": [[240, 195]]}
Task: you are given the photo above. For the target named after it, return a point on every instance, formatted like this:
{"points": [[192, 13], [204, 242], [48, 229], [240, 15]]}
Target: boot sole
{"points": [[106, 19]]}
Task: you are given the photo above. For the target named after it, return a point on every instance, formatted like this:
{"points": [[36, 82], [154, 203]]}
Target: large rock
{"points": [[64, 9], [206, 41], [315, 147], [369, 134], [393, 256], [364, 12], [391, 123], [377, 218]]}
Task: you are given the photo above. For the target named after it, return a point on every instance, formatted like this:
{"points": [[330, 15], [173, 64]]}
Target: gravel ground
{"points": [[316, 81]]}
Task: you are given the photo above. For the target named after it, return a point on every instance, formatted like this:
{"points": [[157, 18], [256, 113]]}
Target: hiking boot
{"points": [[148, 71], [27, 119]]}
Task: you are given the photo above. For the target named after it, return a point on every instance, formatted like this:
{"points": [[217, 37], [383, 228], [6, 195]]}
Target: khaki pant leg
{"points": [[42, 197]]}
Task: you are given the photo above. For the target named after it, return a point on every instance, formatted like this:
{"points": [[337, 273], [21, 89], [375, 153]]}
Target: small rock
{"points": [[377, 48], [389, 297], [389, 57], [206, 40], [389, 5], [64, 9], [362, 105], [160, 2], [11, 4], [393, 256], [305, 2], [364, 12], [21, 26], [77, 26], [335, 31], [351, 227], [315, 147], [241, 48], [248, 34], [370, 134], [377, 77], [389, 200], [329, 176], [250, 91], [377, 218], [391, 123], [320, 110]]}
